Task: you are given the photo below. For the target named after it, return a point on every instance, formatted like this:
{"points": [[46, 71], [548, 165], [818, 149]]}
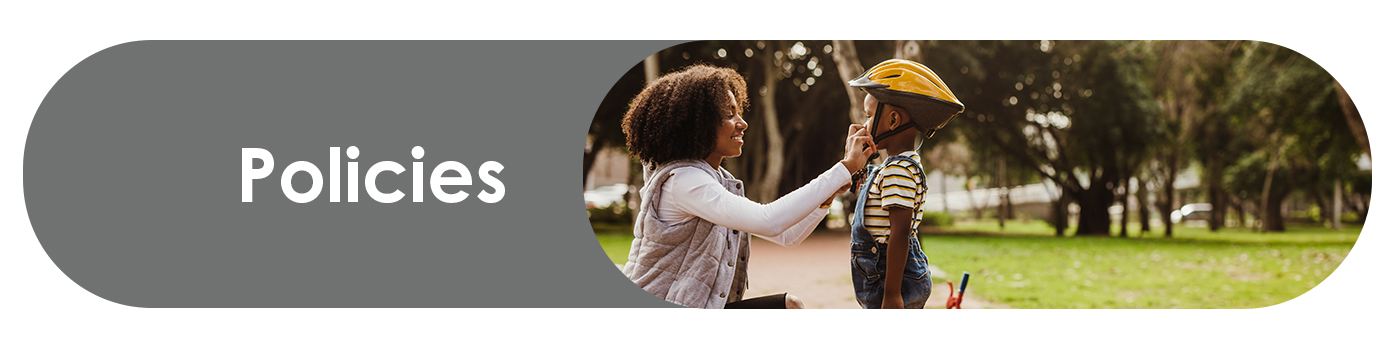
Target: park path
{"points": [[819, 272]]}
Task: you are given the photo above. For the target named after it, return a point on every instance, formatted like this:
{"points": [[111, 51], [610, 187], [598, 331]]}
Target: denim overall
{"points": [[868, 257]]}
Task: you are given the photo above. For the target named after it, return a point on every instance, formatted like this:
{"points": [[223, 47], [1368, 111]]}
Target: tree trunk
{"points": [[1001, 192], [1363, 206], [972, 202], [848, 66], [590, 156], [1264, 218], [1058, 216], [1239, 210], [943, 189], [1257, 206], [1217, 213], [1215, 193], [1168, 204], [1268, 215], [766, 188], [1144, 213], [1123, 214], [1061, 214], [652, 66], [1273, 210], [1358, 128], [1336, 204], [1093, 209]]}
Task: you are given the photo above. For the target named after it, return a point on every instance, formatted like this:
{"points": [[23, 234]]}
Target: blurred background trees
{"points": [[1089, 134]]}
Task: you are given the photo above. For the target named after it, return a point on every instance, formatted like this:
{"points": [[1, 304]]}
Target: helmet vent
{"points": [[891, 76]]}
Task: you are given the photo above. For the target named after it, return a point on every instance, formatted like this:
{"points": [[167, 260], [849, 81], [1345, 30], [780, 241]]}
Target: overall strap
{"points": [[918, 170], [871, 172], [892, 159]]}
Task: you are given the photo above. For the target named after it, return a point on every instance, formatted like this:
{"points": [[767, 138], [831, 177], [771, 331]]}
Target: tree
{"points": [[1185, 77], [606, 129], [1285, 107], [848, 66], [1353, 118], [1077, 113], [795, 131]]}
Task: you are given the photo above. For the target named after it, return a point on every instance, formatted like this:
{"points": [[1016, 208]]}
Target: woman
{"points": [[693, 225]]}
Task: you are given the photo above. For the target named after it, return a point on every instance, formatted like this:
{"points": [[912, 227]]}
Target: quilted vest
{"points": [[694, 263]]}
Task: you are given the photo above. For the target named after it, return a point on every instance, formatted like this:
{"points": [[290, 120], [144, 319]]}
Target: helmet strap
{"points": [[879, 111]]}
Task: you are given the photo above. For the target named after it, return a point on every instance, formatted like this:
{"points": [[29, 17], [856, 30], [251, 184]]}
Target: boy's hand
{"points": [[859, 147]]}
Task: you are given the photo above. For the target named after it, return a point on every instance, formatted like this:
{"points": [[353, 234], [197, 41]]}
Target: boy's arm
{"points": [[896, 254]]}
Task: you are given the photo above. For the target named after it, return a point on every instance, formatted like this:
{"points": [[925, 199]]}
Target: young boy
{"points": [[906, 103]]}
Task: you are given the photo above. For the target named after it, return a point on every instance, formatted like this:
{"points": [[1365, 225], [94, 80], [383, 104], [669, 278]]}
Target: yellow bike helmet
{"points": [[914, 87]]}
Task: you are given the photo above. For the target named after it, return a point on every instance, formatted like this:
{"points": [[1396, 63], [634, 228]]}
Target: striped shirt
{"points": [[900, 184]]}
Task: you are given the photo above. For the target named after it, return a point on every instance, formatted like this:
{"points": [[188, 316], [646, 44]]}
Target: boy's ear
{"points": [[895, 118]]}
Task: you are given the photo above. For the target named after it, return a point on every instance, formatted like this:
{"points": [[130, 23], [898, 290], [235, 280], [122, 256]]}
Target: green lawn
{"points": [[615, 239], [1233, 268], [990, 227], [1026, 267]]}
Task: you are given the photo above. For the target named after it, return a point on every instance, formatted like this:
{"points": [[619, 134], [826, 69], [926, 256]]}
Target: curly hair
{"points": [[676, 116]]}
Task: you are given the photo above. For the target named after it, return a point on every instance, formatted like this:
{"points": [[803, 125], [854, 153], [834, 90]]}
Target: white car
{"points": [[605, 195], [1192, 212]]}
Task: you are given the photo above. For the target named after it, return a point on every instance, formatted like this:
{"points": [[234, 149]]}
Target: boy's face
{"points": [[888, 120]]}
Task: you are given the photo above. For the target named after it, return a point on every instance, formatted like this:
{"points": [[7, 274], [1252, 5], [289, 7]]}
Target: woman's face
{"points": [[730, 135]]}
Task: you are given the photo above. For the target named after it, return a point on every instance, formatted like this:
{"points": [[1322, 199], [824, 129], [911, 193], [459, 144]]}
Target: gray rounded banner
{"points": [[134, 167]]}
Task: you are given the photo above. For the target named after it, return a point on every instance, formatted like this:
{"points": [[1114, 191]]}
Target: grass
{"points": [[615, 239], [1025, 266], [1025, 228], [1233, 268]]}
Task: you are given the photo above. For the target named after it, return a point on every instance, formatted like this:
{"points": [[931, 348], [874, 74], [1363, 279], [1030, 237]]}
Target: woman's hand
{"points": [[832, 198], [859, 147]]}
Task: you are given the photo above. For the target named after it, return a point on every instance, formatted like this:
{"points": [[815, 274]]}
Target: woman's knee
{"points": [[793, 302]]}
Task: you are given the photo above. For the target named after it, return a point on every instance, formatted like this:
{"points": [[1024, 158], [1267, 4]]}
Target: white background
{"points": [[41, 309]]}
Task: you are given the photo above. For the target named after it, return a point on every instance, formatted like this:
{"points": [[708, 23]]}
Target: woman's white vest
{"points": [[694, 263]]}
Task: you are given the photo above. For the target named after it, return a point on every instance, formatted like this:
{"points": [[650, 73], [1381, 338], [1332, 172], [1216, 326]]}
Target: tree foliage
{"points": [[1262, 123]]}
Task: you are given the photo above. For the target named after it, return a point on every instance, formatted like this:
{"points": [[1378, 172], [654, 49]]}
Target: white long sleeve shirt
{"points": [[786, 221]]}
